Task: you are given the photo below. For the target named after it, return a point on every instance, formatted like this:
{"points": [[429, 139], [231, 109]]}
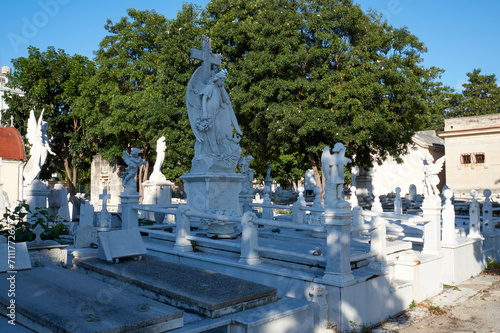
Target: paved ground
{"points": [[473, 306]]}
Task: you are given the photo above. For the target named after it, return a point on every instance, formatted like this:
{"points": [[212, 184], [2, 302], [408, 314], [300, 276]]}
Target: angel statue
{"points": [[39, 141], [431, 175], [157, 176], [133, 161], [211, 115], [333, 169]]}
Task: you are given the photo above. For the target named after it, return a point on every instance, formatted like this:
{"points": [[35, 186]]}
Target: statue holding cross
{"points": [[210, 112]]}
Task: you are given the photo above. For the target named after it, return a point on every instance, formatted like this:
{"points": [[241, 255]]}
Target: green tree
{"points": [[51, 81], [306, 74], [138, 92], [481, 95]]}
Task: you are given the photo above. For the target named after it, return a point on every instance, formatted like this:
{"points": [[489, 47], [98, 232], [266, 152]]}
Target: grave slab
{"points": [[53, 299], [201, 291], [14, 257], [120, 244]]}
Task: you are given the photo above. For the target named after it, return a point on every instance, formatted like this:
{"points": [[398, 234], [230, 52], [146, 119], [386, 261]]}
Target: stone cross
{"points": [[207, 57], [39, 230], [104, 197]]}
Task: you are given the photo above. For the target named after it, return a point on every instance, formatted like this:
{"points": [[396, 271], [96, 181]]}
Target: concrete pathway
{"points": [[472, 306]]}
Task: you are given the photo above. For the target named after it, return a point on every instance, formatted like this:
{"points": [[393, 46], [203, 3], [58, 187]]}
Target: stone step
{"points": [[201, 291], [54, 299]]}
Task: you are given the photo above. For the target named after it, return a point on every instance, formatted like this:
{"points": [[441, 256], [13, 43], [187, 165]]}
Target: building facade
{"points": [[473, 153]]}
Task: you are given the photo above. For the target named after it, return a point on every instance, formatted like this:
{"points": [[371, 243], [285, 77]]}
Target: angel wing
{"points": [[32, 130], [438, 165], [126, 157], [193, 99], [326, 157]]}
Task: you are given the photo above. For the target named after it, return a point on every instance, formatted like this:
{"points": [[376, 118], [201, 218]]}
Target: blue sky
{"points": [[460, 35]]}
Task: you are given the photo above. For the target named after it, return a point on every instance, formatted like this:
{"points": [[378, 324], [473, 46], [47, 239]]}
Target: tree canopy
{"points": [[481, 95], [137, 93], [51, 81], [306, 74]]}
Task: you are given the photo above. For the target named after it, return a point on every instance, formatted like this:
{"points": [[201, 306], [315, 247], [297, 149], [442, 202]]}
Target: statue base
{"points": [[214, 192], [156, 193], [36, 197]]}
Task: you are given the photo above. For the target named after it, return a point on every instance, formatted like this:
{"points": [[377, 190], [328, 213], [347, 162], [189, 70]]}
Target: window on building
{"points": [[479, 157], [465, 159]]}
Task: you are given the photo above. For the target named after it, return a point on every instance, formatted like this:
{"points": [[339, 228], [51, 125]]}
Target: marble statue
{"points": [[37, 138], [247, 185], [268, 172], [133, 161], [211, 115], [333, 169], [431, 172], [157, 176]]}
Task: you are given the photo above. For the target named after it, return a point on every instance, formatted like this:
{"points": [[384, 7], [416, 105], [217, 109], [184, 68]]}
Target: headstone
{"points": [[117, 244], [309, 183], [14, 257], [58, 203], [75, 203], [86, 214], [104, 217], [85, 236]]}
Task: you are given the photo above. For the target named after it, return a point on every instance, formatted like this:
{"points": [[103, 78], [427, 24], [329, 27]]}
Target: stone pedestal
{"points": [[214, 192], [432, 230], [36, 197], [156, 193], [338, 220], [130, 218]]}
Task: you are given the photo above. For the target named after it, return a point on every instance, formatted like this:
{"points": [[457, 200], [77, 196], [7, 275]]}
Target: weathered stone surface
{"points": [[202, 291], [53, 299], [15, 258], [120, 243]]}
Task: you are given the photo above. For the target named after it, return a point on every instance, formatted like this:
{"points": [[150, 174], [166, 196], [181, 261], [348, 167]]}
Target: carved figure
{"points": [[133, 161], [268, 172], [431, 172], [333, 168], [157, 175], [248, 173], [211, 115], [37, 138]]}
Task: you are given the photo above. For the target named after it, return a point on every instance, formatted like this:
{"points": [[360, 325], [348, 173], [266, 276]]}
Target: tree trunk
{"points": [[142, 177], [320, 181], [72, 176]]}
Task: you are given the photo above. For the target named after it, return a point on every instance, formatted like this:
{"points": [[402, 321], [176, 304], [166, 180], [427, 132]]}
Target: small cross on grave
{"points": [[39, 230], [104, 197], [207, 57]]}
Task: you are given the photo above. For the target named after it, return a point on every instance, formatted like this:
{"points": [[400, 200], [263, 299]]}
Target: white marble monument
{"points": [[157, 189], [212, 185]]}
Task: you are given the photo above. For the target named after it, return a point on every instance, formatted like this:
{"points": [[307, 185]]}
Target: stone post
{"points": [[249, 240], [398, 203], [488, 228], [474, 221], [338, 227], [297, 212], [130, 217], [431, 208], [267, 213], [377, 205], [183, 229], [449, 233], [378, 244]]}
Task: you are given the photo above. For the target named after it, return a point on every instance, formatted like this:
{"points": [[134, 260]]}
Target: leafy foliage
{"points": [[51, 80], [137, 94], [306, 74], [14, 224], [481, 95]]}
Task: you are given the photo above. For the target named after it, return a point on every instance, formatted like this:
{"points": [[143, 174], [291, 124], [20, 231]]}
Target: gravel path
{"points": [[473, 306]]}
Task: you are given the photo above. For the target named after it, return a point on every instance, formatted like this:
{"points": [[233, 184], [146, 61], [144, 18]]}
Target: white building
{"points": [[3, 89]]}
